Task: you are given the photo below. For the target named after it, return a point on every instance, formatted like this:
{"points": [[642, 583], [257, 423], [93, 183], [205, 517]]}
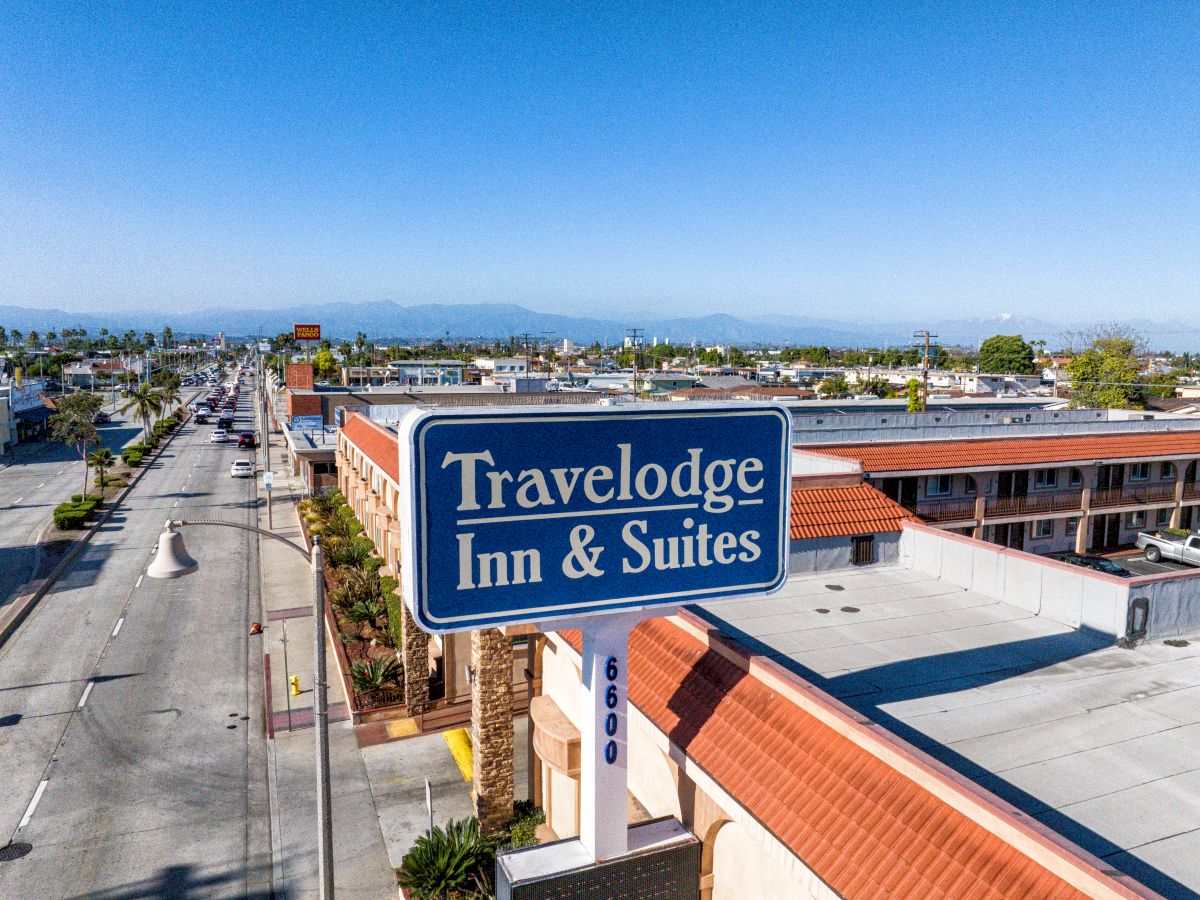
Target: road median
{"points": [[18, 611]]}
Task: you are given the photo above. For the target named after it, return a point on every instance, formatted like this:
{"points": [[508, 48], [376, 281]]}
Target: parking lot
{"points": [[1139, 565]]}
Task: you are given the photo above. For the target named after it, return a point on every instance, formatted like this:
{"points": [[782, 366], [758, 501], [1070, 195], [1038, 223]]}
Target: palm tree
{"points": [[101, 460], [145, 402], [169, 394]]}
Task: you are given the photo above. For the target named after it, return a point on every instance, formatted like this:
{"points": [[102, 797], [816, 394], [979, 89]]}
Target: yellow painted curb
{"points": [[459, 742]]}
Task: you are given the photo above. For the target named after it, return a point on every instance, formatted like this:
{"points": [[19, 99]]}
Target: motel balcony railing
{"points": [[1191, 490], [1134, 494], [950, 509], [1032, 504]]}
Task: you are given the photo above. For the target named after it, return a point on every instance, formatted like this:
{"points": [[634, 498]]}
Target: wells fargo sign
{"points": [[306, 332]]}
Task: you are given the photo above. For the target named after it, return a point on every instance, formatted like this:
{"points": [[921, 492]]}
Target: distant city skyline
{"points": [[883, 163]]}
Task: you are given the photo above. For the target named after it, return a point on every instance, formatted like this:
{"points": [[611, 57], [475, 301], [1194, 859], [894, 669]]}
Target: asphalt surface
{"points": [[33, 482], [131, 708], [1139, 565]]}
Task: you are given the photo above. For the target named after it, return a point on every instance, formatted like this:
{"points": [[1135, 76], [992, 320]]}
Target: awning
{"points": [[33, 416]]}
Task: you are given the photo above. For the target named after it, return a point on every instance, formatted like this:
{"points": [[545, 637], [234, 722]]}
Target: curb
{"points": [[23, 605]]}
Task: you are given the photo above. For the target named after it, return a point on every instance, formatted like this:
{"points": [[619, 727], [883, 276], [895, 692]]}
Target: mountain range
{"points": [[384, 319]]}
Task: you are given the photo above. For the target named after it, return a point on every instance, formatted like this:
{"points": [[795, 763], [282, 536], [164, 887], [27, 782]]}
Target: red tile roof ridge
{"points": [[1049, 849]]}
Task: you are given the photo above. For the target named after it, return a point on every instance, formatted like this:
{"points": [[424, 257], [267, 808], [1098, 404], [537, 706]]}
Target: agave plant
{"points": [[454, 862], [374, 674], [342, 524], [367, 611], [353, 552], [355, 586]]}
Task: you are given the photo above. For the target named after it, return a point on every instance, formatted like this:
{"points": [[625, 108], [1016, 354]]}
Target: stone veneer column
{"points": [[492, 728], [415, 648]]}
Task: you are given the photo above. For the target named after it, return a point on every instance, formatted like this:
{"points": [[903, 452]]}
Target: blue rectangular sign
{"points": [[308, 423], [521, 516]]}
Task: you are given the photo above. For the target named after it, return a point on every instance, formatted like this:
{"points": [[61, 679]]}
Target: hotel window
{"points": [[1167, 471], [969, 486], [1045, 478], [1043, 528], [1076, 478], [1072, 526], [938, 485], [1162, 517], [1139, 471], [1136, 519]]}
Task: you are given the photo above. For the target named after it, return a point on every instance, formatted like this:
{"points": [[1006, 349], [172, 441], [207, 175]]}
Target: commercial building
{"points": [[1043, 481], [857, 733]]}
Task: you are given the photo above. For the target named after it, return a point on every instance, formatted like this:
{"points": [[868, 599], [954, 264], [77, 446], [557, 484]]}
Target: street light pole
{"points": [[321, 720], [171, 560]]}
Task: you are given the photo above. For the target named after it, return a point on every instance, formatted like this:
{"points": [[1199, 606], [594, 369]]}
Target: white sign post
{"points": [[604, 738]]}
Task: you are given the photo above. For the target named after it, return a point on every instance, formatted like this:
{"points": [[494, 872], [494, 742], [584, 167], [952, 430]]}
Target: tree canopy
{"points": [[1105, 375], [1006, 354]]}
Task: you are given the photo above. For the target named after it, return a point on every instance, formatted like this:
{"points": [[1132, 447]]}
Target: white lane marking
{"points": [[120, 622], [139, 583], [19, 499], [37, 795], [43, 484], [60, 471], [86, 693], [176, 503]]}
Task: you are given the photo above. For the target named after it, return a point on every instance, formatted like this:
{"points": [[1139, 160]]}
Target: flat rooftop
{"points": [[1098, 743]]}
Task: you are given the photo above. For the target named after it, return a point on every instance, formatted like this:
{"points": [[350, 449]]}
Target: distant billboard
{"points": [[306, 332]]}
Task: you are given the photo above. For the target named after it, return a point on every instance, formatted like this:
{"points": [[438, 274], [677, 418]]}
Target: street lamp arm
{"points": [[180, 523]]}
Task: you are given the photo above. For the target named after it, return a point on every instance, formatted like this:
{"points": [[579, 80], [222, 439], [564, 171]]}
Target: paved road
{"points": [[43, 476], [130, 708]]}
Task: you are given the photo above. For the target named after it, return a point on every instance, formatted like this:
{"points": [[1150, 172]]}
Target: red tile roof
{"points": [[379, 444], [864, 827], [990, 452], [844, 511]]}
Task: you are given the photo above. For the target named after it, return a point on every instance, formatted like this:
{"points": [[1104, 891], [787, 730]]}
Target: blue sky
{"points": [[870, 160]]}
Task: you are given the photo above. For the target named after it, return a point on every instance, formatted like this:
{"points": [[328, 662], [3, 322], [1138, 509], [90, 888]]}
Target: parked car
{"points": [[101, 418], [242, 468], [1095, 563], [219, 436], [247, 440], [1156, 545]]}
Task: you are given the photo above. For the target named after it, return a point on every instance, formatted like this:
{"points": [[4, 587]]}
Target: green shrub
{"points": [[522, 830], [79, 498], [131, 457], [455, 862], [70, 515], [1178, 532]]}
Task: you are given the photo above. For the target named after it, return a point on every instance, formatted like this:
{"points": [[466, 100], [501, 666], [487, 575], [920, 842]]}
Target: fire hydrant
{"points": [[294, 681]]}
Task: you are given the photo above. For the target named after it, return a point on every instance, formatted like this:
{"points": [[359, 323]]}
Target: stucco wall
{"points": [[1067, 594], [823, 554], [742, 868]]}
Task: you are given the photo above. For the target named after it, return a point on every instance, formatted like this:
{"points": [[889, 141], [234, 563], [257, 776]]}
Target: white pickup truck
{"points": [[1176, 547]]}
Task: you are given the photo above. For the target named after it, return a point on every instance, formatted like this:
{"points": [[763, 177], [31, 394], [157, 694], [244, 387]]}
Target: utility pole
{"points": [[635, 341], [526, 338], [924, 368]]}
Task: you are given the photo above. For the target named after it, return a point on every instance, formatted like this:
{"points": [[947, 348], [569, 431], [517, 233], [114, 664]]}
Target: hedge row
{"points": [[76, 513]]}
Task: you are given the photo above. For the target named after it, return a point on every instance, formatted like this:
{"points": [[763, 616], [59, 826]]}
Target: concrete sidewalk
{"points": [[361, 867]]}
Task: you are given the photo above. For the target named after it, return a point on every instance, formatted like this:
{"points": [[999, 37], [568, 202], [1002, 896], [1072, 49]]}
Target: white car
{"points": [[242, 468], [220, 436]]}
